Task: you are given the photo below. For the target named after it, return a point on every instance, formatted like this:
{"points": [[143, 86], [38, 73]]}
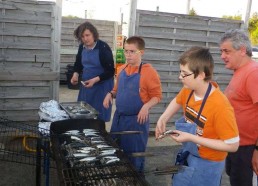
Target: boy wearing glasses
{"points": [[208, 128], [137, 90]]}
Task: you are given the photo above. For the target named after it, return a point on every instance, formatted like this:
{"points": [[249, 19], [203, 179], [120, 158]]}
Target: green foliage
{"points": [[254, 37], [252, 26], [235, 17], [192, 12]]}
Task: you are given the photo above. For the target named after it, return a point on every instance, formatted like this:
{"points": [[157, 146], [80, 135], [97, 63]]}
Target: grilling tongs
{"points": [[171, 169], [126, 132], [147, 154]]}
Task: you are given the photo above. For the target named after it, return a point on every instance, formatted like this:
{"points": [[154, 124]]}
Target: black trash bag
{"points": [[69, 75]]}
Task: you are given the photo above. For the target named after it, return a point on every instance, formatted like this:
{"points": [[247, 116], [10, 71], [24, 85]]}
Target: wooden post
{"points": [[188, 6], [132, 19], [55, 50], [247, 14]]}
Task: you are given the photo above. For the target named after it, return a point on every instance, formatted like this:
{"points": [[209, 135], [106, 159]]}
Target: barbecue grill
{"points": [[25, 144], [97, 172]]}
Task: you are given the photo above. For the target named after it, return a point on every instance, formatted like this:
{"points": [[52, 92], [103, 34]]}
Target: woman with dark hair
{"points": [[95, 61]]}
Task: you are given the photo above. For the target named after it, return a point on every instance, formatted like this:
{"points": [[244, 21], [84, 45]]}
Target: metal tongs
{"points": [[168, 132], [174, 169], [168, 170], [126, 132]]}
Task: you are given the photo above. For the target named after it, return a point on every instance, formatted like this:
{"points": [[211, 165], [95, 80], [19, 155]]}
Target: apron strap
{"points": [[125, 66], [140, 67], [203, 103], [190, 95]]}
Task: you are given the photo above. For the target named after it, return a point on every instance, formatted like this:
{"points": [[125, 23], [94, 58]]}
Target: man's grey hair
{"points": [[238, 38]]}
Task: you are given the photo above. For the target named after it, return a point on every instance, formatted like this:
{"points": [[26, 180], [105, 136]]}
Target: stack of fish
{"points": [[88, 147]]}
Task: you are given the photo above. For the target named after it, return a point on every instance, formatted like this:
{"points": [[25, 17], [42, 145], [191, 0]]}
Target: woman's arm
{"points": [[106, 60], [77, 68], [78, 61]]}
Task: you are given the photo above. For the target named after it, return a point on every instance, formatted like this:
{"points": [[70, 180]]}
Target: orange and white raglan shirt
{"points": [[150, 85], [217, 118]]}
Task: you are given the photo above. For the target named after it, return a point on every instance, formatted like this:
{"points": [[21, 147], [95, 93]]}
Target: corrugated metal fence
{"points": [[167, 35]]}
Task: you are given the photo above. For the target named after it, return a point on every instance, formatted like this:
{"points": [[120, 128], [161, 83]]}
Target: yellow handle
{"points": [[27, 147]]}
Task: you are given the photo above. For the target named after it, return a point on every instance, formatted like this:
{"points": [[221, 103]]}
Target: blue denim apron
{"points": [[95, 95], [199, 172], [128, 105]]}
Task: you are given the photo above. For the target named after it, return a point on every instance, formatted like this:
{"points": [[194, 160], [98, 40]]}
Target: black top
{"points": [[106, 60]]}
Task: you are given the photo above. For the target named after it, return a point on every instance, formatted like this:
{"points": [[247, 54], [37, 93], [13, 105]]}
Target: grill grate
{"points": [[97, 173], [116, 174]]}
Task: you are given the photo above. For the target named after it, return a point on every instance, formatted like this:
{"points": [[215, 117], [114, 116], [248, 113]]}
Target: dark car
{"points": [[255, 52]]}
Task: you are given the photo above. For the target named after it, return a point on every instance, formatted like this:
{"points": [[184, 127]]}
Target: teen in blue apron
{"points": [[95, 95], [128, 105], [198, 172]]}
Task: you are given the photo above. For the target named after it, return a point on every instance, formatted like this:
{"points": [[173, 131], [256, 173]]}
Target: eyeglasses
{"points": [[185, 75], [131, 52]]}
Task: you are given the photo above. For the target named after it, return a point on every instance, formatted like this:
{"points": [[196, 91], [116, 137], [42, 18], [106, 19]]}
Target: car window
{"points": [[255, 49]]}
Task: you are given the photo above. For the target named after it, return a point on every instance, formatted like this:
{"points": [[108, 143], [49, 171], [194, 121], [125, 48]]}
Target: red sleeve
{"points": [[251, 85]]}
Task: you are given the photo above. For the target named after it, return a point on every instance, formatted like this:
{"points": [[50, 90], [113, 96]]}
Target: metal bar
{"points": [[38, 163]]}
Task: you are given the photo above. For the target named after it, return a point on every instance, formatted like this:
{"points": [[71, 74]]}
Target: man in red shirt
{"points": [[242, 92]]}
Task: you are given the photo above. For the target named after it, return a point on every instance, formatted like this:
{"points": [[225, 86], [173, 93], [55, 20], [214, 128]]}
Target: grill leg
{"points": [[38, 162], [46, 162]]}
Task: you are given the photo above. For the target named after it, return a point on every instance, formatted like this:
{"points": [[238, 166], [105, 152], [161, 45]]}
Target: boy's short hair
{"points": [[198, 59], [137, 40]]}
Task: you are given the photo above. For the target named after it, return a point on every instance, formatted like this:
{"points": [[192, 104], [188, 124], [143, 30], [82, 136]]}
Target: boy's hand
{"points": [[108, 100], [143, 115], [160, 127]]}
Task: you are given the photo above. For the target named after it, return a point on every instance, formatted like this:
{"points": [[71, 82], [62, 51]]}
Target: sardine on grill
{"points": [[112, 160], [76, 138], [70, 132], [91, 158], [91, 134], [87, 148], [84, 151], [80, 155], [97, 142], [107, 152], [89, 130], [109, 159], [101, 146]]}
